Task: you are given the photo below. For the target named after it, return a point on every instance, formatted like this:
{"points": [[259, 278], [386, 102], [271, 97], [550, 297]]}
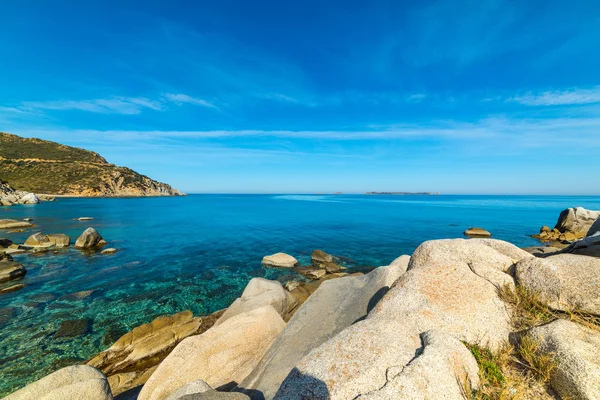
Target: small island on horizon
{"points": [[406, 193]]}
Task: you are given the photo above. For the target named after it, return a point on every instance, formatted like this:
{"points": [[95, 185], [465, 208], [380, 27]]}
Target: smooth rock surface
{"points": [[334, 306], [258, 293], [450, 286], [10, 270], [576, 220], [223, 355], [195, 387], [319, 257], [215, 395], [279, 260], [38, 239], [577, 353], [110, 250], [59, 239], [565, 281], [477, 232], [77, 382], [88, 239], [14, 224]]}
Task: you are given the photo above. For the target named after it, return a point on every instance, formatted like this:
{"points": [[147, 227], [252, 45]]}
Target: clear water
{"points": [[198, 253]]}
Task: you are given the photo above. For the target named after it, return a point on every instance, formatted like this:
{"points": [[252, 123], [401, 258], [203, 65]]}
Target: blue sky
{"points": [[315, 96]]}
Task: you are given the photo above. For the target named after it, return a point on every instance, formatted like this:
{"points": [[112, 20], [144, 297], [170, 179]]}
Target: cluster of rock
{"points": [[321, 265], [573, 224], [9, 196], [396, 332], [39, 242]]}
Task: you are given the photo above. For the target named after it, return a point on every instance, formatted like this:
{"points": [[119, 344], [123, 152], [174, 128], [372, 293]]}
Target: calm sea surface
{"points": [[198, 252]]}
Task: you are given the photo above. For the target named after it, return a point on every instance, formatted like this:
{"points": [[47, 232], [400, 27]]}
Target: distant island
{"points": [[44, 167], [406, 193]]}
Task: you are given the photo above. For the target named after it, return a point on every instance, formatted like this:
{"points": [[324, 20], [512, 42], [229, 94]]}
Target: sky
{"points": [[450, 96]]}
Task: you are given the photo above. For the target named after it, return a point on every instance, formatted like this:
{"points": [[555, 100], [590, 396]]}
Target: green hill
{"points": [[41, 166]]}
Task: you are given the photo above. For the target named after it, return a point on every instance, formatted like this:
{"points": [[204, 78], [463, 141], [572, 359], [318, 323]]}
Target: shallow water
{"points": [[198, 252]]}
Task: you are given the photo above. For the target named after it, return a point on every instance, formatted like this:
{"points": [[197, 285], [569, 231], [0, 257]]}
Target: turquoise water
{"points": [[198, 252]]}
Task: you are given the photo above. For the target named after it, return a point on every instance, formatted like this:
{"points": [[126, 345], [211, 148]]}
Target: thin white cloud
{"points": [[112, 105], [180, 98], [558, 97]]}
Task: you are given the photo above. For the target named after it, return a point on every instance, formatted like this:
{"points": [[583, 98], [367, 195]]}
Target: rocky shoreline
{"points": [[414, 329]]}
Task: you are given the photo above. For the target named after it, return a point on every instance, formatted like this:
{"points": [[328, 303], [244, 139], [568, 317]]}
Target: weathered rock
{"points": [[12, 288], [10, 270], [279, 260], [223, 355], [258, 293], [576, 350], [335, 305], [451, 286], [59, 239], [333, 268], [77, 296], [5, 243], [441, 366], [541, 251], [110, 250], [319, 258], [477, 232], [6, 314], [27, 219], [594, 229], [9, 196], [29, 198], [89, 238], [311, 272], [73, 328], [134, 354], [38, 239], [291, 285], [85, 218], [71, 383], [576, 220], [195, 387], [5, 257], [565, 281], [545, 229], [14, 224], [215, 395]]}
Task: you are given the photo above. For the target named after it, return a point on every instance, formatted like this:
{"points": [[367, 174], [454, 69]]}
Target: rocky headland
{"points": [[48, 168], [459, 318]]}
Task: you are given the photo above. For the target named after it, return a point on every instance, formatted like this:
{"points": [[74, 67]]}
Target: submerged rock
{"points": [[576, 350], [10, 270], [73, 328], [71, 383], [279, 260], [84, 294], [335, 305], [89, 238], [12, 288], [258, 293], [222, 355]]}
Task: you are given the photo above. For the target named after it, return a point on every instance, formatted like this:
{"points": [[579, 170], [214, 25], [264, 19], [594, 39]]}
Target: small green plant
{"points": [[540, 363]]}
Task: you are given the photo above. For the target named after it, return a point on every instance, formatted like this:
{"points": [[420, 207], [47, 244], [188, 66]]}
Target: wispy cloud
{"points": [[112, 105], [558, 97], [181, 98]]}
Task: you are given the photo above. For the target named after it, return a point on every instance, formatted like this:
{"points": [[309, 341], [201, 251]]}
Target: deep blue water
{"points": [[198, 252]]}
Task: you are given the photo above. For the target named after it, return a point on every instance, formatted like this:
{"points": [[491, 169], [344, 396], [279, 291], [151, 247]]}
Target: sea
{"points": [[198, 253]]}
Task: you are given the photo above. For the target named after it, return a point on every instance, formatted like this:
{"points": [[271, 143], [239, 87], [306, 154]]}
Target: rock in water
{"points": [[477, 232], [85, 218], [59, 239], [577, 353], [9, 196], [89, 238], [12, 288], [566, 282], [258, 293], [38, 239], [77, 382], [576, 220], [10, 270], [110, 250], [13, 224], [279, 260], [224, 354], [451, 287], [73, 328], [319, 257], [333, 307]]}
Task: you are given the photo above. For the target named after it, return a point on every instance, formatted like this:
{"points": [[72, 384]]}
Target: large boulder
{"points": [[14, 224], [38, 239], [566, 281], [59, 239], [576, 350], [10, 270], [432, 366], [70, 383], [334, 306], [195, 387], [576, 220], [128, 361], [223, 355], [451, 286], [258, 293], [89, 238], [319, 258], [594, 229], [29, 198], [279, 260]]}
